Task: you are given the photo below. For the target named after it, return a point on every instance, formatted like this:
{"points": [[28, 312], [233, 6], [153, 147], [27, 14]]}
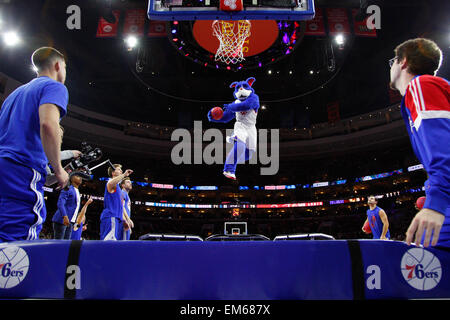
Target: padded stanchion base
{"points": [[223, 270]]}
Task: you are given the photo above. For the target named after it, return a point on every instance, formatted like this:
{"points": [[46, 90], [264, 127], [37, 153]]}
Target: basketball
{"points": [[420, 202], [366, 227], [216, 113]]}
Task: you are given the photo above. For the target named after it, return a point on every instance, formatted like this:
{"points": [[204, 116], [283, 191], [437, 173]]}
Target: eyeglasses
{"points": [[392, 61]]}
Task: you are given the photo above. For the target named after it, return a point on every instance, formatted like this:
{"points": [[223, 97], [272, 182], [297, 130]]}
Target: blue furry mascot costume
{"points": [[244, 109]]}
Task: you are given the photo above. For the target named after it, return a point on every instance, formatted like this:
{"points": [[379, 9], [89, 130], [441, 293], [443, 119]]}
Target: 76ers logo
{"points": [[421, 269], [230, 3], [14, 265]]}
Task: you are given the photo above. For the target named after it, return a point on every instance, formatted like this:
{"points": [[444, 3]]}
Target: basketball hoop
{"points": [[231, 35]]}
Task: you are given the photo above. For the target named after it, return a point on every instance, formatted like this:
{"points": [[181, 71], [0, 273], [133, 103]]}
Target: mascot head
{"points": [[243, 89]]}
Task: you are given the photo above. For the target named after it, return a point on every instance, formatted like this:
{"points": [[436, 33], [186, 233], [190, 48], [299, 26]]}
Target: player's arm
{"points": [[51, 139], [127, 221], [62, 206], [362, 228], [81, 216], [385, 221], [112, 183]]}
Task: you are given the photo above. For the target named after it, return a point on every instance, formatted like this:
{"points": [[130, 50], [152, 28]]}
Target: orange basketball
{"points": [[366, 227], [216, 113], [420, 202]]}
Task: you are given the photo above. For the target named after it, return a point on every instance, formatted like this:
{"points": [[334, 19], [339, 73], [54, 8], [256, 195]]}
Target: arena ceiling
{"points": [[174, 91]]}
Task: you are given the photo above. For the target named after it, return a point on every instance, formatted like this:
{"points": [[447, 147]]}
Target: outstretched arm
{"points": [[228, 115], [82, 214], [250, 103]]}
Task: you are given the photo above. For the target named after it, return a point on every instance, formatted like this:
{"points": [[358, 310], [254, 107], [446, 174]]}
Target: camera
{"points": [[88, 155], [79, 166]]}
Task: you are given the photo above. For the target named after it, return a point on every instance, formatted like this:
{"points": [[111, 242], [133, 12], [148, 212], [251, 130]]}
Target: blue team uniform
{"points": [[426, 111], [375, 223], [76, 235], [112, 215], [126, 205], [22, 158]]}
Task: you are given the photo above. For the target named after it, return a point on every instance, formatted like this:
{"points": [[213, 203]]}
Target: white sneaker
{"points": [[229, 175], [230, 139]]}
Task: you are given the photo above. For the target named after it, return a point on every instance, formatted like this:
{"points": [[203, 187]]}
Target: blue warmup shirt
{"points": [[426, 111], [113, 205], [376, 225], [126, 203], [76, 235], [20, 137]]}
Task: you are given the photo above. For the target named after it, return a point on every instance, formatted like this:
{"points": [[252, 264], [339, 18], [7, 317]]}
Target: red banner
{"points": [[338, 21], [333, 112], [134, 22], [106, 29], [316, 27], [157, 29], [361, 27]]}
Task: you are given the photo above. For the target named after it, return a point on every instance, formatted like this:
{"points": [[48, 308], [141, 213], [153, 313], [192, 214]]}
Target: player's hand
{"points": [[131, 223], [89, 201], [66, 221], [426, 220], [128, 172], [76, 153], [383, 238], [62, 177], [126, 226]]}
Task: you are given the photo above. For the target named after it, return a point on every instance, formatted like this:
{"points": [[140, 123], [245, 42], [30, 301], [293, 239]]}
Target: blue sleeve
{"points": [[435, 158], [249, 104], [55, 93], [62, 202]]}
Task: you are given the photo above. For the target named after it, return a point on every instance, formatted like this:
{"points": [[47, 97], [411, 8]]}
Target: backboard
{"points": [[235, 228], [178, 10]]}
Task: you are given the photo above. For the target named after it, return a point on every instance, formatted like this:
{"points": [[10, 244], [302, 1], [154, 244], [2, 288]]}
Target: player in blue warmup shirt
{"points": [[126, 187], [378, 220], [426, 111], [30, 139], [113, 212]]}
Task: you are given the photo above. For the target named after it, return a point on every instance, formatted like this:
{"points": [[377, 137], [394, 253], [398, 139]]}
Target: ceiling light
{"points": [[131, 41], [11, 38], [340, 39]]}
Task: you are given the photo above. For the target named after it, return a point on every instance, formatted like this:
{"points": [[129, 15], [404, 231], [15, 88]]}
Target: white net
{"points": [[231, 35]]}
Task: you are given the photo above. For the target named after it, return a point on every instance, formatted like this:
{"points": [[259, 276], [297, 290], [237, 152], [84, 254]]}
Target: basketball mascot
{"points": [[244, 137]]}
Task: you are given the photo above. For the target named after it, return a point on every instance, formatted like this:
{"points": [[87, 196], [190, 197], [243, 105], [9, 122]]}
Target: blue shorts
{"points": [[22, 206], [110, 229]]}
